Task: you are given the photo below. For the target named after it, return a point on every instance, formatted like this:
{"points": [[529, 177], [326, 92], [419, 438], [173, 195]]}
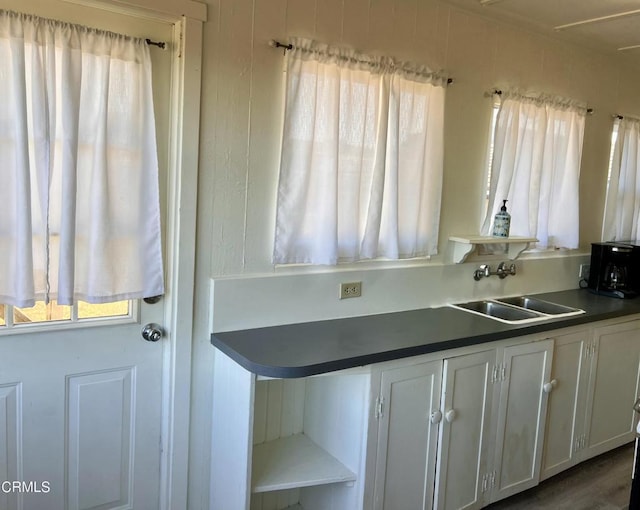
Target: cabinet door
{"points": [[524, 371], [614, 386], [566, 407], [406, 449], [464, 437]]}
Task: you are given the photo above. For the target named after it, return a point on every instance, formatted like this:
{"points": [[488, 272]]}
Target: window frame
{"points": [[74, 322]]}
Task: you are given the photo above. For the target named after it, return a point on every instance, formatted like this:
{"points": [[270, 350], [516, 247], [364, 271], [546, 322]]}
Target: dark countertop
{"points": [[310, 348]]}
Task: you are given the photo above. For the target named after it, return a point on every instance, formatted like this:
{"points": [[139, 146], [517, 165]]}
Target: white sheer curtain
{"points": [[78, 165], [622, 207], [536, 167], [362, 152]]}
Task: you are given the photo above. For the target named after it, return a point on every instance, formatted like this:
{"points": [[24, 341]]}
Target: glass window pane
{"points": [[41, 312], [90, 311]]}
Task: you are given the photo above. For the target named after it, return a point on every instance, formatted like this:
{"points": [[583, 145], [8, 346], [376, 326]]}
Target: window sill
{"points": [[551, 253]]}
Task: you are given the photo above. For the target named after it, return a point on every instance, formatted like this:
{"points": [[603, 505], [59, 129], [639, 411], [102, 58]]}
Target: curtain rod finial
{"points": [[277, 44], [160, 45]]}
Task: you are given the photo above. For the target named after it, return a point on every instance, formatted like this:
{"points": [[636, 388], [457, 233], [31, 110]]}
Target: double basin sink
{"points": [[518, 309]]}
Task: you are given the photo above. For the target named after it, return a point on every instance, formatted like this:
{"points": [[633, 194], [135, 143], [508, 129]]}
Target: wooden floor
{"points": [[603, 483]]}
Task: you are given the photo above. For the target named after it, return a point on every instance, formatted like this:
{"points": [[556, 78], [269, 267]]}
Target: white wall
{"points": [[255, 301], [241, 123], [242, 115]]}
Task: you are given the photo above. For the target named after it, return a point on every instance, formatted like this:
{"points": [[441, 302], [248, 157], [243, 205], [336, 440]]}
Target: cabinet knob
{"points": [[548, 387], [436, 417], [450, 415]]}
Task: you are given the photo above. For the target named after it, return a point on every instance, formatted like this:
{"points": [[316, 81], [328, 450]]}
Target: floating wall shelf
{"points": [[464, 246]]}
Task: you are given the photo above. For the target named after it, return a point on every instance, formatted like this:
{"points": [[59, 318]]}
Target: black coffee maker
{"points": [[615, 269]]}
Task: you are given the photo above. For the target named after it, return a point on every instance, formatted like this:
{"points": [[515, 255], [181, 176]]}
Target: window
{"points": [[15, 318], [622, 208], [79, 201], [537, 146], [492, 132], [361, 164], [614, 139]]}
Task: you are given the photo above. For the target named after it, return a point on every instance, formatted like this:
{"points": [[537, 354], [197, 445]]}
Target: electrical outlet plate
{"points": [[351, 289], [584, 271]]}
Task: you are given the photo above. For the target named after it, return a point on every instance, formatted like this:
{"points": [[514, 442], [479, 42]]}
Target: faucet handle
{"points": [[503, 271], [482, 271]]}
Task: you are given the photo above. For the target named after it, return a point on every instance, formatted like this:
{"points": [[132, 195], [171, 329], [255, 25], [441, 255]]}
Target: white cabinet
{"points": [[431, 425], [489, 423], [287, 443], [613, 387], [408, 410], [453, 430], [463, 443], [590, 408], [566, 412], [522, 410]]}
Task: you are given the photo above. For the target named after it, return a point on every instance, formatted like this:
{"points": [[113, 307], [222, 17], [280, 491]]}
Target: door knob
{"points": [[436, 417], [152, 332], [450, 415], [548, 387]]}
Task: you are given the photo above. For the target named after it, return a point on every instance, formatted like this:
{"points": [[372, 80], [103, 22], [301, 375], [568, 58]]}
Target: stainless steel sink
{"points": [[518, 309], [500, 311], [538, 305]]}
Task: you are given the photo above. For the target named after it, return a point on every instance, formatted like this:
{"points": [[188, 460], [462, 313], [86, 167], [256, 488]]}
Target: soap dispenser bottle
{"points": [[502, 222]]}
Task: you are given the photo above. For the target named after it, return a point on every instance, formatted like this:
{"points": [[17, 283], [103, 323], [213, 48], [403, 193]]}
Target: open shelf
{"points": [[464, 246], [295, 461]]}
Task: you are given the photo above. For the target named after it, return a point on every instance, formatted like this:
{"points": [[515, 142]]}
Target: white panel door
{"points": [[465, 436], [566, 407], [613, 387], [521, 417], [407, 435], [80, 407]]}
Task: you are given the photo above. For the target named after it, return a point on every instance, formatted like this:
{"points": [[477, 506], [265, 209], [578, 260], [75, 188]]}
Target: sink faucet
{"points": [[502, 271]]}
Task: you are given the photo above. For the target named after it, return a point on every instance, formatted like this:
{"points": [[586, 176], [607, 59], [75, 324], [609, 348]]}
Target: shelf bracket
{"points": [[461, 251]]}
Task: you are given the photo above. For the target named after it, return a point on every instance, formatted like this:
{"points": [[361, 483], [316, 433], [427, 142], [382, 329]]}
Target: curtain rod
{"points": [[617, 116], [277, 44], [498, 92], [160, 45]]}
